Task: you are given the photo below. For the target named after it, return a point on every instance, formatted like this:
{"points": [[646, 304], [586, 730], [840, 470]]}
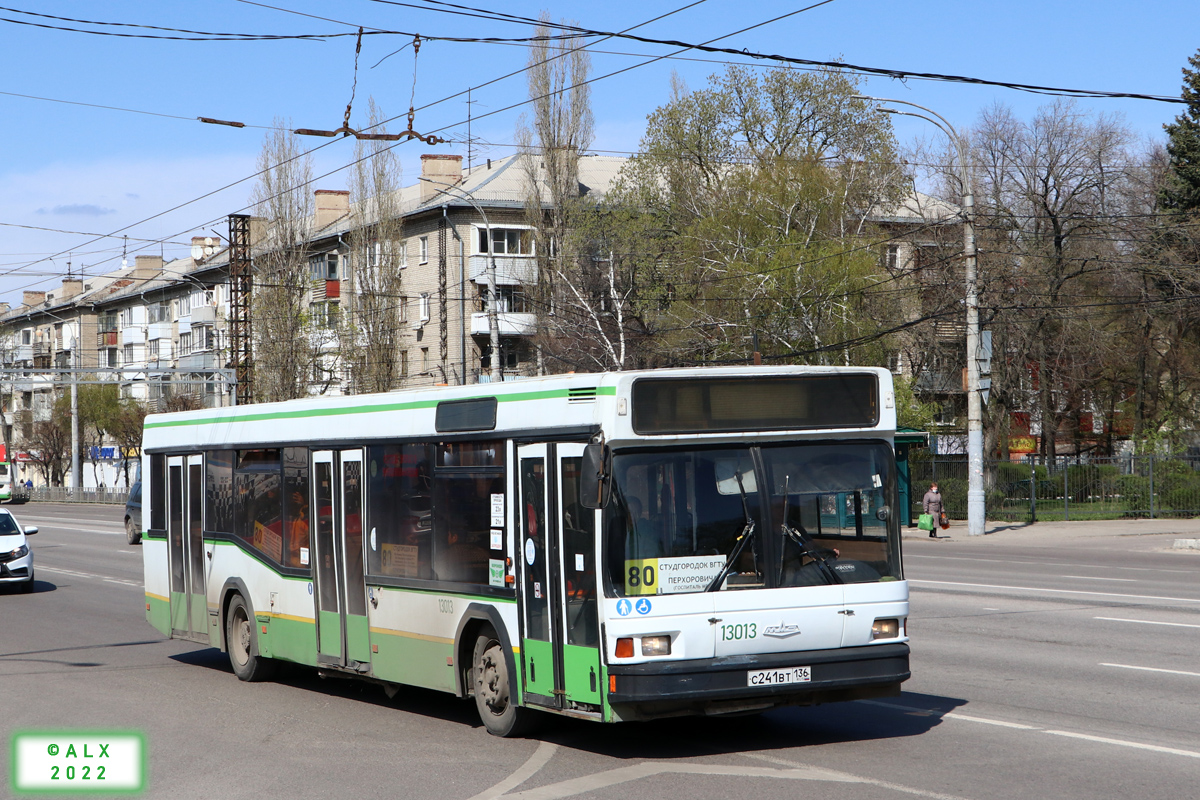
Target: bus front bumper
{"points": [[720, 685]]}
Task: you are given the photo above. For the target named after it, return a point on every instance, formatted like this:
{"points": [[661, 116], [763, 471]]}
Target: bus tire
{"points": [[493, 688], [241, 644], [132, 534]]}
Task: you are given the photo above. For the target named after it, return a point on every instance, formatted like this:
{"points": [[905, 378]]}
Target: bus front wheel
{"points": [[239, 641], [493, 688]]}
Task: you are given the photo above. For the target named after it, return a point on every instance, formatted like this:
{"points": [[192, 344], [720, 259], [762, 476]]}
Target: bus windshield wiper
{"points": [[743, 539], [811, 549]]}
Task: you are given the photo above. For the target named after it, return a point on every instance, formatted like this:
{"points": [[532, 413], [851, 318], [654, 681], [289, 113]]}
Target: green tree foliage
{"points": [[740, 221], [1182, 193]]}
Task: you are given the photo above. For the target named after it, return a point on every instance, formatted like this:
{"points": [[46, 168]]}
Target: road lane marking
{"points": [[89, 575], [1154, 669], [985, 721], [1039, 563], [1094, 578], [527, 770], [1148, 622], [848, 778], [1138, 745], [1085, 736], [1055, 591], [646, 769]]}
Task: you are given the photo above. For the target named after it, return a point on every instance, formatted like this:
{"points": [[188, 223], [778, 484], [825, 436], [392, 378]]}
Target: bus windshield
{"points": [[752, 517]]}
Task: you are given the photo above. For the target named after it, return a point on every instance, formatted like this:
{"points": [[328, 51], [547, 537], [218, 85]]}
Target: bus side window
{"points": [[158, 494]]}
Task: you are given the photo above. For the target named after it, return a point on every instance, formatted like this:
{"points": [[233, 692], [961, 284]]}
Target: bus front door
{"points": [[560, 654], [340, 592], [189, 600]]}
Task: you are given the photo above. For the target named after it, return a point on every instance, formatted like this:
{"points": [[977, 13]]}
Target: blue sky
{"points": [[87, 170]]}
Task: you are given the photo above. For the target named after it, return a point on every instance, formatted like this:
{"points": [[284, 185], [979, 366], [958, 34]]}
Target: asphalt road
{"points": [[1046, 663]]}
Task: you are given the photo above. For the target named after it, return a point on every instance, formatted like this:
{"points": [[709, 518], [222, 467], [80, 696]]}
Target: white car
{"points": [[16, 559]]}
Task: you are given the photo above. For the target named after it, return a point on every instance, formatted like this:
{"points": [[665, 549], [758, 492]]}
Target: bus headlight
{"points": [[885, 629], [656, 645]]}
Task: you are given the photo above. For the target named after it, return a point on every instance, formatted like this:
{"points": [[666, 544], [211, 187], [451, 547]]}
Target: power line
{"points": [[883, 71]]}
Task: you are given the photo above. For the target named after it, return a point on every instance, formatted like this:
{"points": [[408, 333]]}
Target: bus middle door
{"points": [[560, 652], [341, 606]]}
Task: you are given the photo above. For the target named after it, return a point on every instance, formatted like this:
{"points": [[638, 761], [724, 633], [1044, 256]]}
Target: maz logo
{"points": [[781, 631]]}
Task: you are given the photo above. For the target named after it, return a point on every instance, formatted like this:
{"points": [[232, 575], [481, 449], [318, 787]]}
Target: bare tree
{"points": [[370, 329], [574, 293], [285, 350]]}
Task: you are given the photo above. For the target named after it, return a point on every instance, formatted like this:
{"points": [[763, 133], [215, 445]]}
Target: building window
{"points": [[325, 315], [183, 306], [424, 307], [424, 360], [423, 245], [324, 266], [111, 360], [27, 336], [152, 350], [507, 241], [126, 317], [159, 312], [508, 299], [403, 308], [403, 363], [185, 343], [127, 354], [403, 253]]}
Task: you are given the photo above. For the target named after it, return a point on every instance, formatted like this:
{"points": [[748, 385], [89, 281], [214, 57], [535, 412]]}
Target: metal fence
{"points": [[1070, 489], [63, 494]]}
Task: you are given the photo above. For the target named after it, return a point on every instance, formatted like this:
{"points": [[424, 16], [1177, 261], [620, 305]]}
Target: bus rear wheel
{"points": [[493, 688], [239, 641]]}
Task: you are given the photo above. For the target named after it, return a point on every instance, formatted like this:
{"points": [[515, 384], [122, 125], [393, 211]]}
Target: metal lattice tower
{"points": [[239, 305]]}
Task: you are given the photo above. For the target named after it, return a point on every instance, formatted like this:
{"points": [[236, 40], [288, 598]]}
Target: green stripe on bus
{"points": [[548, 394]]}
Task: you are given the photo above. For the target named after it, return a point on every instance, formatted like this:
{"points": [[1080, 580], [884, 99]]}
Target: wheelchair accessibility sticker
{"points": [[642, 606], [624, 607]]}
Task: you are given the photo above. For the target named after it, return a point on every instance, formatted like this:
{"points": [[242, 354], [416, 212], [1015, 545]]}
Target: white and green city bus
{"points": [[611, 546]]}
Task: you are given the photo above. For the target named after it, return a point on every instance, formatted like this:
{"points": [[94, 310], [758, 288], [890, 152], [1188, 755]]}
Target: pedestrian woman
{"points": [[932, 505]]}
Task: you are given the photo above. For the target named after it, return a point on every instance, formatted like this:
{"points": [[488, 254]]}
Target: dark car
{"points": [[133, 511]]}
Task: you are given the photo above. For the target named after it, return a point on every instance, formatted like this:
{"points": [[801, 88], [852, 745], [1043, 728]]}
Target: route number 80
{"points": [[641, 577]]}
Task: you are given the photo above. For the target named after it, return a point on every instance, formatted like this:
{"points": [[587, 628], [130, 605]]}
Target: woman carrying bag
{"points": [[934, 512]]}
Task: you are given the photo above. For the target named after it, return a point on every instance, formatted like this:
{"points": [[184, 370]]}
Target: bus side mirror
{"points": [[596, 478]]}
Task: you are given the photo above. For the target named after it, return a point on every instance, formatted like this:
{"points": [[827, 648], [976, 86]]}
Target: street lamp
{"points": [[493, 323], [976, 510]]}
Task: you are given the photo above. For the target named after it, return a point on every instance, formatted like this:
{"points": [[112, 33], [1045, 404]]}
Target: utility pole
{"points": [[976, 503]]}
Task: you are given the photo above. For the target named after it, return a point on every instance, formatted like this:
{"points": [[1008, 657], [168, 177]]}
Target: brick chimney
{"points": [[70, 288], [29, 298], [332, 204], [146, 267], [438, 172]]}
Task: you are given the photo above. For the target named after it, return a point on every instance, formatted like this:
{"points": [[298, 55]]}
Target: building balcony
{"points": [[204, 315], [510, 324], [510, 270], [23, 352], [158, 330], [134, 334], [106, 339], [200, 361], [42, 349]]}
